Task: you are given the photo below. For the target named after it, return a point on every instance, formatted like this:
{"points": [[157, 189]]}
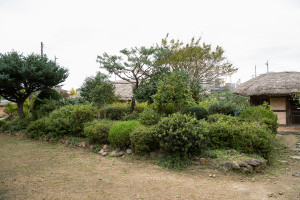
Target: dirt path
{"points": [[38, 170]]}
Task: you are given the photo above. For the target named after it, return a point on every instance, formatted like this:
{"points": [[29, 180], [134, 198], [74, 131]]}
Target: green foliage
{"points": [[131, 116], [68, 120], [45, 108], [119, 134], [48, 94], [97, 132], [72, 101], [262, 114], [181, 134], [12, 109], [227, 119], [199, 60], [140, 107], [170, 108], [225, 108], [244, 137], [149, 117], [198, 111], [20, 76], [175, 162], [174, 88], [112, 112], [98, 89], [143, 140]]}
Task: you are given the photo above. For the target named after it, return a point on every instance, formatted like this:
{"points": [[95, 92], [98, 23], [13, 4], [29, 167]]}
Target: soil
{"points": [[39, 170]]}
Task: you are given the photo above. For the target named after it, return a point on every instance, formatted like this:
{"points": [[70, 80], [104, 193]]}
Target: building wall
{"points": [[278, 105]]}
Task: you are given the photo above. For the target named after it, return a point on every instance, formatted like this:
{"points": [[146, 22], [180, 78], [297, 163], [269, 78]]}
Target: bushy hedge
{"points": [[112, 112], [225, 108], [262, 114], [97, 131], [197, 111], [143, 140], [181, 134], [149, 117], [68, 120], [119, 133], [222, 118], [49, 94], [244, 137]]}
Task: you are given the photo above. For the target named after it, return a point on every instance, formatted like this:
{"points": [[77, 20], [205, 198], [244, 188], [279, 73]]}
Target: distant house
{"points": [[3, 103], [276, 89], [123, 90]]}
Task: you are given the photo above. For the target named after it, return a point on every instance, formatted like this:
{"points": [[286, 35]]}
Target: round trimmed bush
{"points": [[198, 111], [96, 132], [143, 140], [181, 134], [225, 108], [119, 133], [149, 117]]}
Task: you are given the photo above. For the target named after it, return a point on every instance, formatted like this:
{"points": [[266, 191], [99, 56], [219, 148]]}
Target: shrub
{"points": [[49, 94], [170, 108], [119, 133], [225, 108], [222, 118], [112, 112], [68, 120], [140, 107], [132, 116], [244, 137], [262, 114], [198, 111], [72, 101], [97, 132], [143, 140], [46, 107], [181, 134], [149, 117]]}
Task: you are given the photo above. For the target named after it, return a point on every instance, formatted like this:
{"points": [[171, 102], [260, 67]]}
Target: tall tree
{"points": [[21, 75], [139, 64], [202, 61]]}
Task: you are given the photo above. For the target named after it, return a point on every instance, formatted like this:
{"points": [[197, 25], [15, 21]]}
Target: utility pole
{"points": [[267, 63], [42, 49], [55, 58], [255, 70]]}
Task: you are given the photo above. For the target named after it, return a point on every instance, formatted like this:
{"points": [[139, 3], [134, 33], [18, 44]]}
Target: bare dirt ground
{"points": [[39, 170]]}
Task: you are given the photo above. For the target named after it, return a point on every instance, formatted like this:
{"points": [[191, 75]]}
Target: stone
{"points": [[68, 142], [212, 164], [104, 146], [113, 153], [129, 151], [254, 162], [235, 165], [296, 150], [280, 193], [104, 153], [101, 151], [203, 161], [243, 164], [295, 157], [247, 169], [297, 174], [257, 169], [121, 153], [84, 144], [270, 195], [227, 166]]}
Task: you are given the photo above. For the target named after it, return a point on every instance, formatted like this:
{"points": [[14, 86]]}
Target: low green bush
{"points": [[181, 134], [71, 101], [97, 132], [68, 120], [149, 117], [119, 133], [244, 137], [132, 116], [222, 118], [226, 108], [170, 108], [46, 94], [143, 140], [45, 107], [112, 112], [197, 111], [262, 114]]}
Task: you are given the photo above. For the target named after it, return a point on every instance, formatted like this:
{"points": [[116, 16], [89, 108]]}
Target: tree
{"points": [[20, 76], [98, 89], [140, 63], [199, 60], [73, 92]]}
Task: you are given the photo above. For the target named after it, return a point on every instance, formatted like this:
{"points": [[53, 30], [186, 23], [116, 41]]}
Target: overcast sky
{"points": [[250, 31]]}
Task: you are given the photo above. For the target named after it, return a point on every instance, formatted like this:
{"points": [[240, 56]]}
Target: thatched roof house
{"points": [[276, 89], [123, 90]]}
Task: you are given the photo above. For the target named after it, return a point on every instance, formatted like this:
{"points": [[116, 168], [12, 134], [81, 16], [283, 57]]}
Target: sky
{"points": [[251, 32]]}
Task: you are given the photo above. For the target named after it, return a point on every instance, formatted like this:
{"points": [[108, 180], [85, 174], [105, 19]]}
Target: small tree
{"points": [[73, 92], [20, 76], [98, 89]]}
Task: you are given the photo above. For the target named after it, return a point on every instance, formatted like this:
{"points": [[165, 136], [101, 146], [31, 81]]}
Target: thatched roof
{"points": [[123, 90], [271, 84]]}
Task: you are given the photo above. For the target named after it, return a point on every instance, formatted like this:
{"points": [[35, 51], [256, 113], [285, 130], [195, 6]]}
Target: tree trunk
{"points": [[20, 110], [132, 104]]}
